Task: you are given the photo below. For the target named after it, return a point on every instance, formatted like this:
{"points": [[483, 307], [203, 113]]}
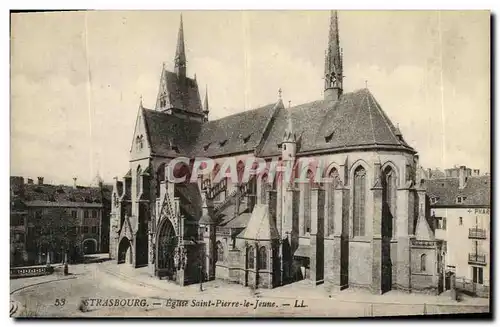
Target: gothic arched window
{"points": [[306, 188], [240, 169], [139, 142], [214, 176], [334, 176], [138, 180], [263, 258], [160, 176], [359, 201], [389, 184], [423, 259], [263, 189], [251, 258]]}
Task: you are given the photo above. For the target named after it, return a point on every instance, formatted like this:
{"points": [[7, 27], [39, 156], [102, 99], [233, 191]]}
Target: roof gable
{"points": [[179, 93], [140, 146]]}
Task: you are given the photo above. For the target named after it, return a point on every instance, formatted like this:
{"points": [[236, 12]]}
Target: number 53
{"points": [[60, 302]]}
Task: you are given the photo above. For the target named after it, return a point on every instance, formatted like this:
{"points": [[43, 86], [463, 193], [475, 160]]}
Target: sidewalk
{"points": [[142, 277], [302, 289], [307, 290]]}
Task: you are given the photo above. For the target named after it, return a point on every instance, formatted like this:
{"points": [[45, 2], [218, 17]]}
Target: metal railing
{"points": [[476, 258], [478, 233]]}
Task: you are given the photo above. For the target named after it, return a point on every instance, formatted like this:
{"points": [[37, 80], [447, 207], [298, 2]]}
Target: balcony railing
{"points": [[477, 233], [478, 259]]}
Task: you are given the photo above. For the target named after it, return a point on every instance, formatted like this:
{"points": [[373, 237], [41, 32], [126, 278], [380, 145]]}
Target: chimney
{"points": [[462, 178], [74, 182], [476, 172], [429, 173], [40, 180], [30, 181]]}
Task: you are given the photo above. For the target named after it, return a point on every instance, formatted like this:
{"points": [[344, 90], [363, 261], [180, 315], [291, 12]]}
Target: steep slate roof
{"points": [[190, 199], [260, 225], [165, 132], [356, 119], [183, 96], [477, 191], [242, 132]]}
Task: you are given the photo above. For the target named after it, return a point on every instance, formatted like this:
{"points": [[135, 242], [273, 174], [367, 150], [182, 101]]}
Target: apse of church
{"points": [[342, 212]]}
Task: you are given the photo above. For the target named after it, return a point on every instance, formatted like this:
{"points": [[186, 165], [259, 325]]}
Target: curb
{"points": [[40, 283], [13, 307]]}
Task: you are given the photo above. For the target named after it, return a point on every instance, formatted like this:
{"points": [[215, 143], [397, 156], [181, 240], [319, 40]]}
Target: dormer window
{"points": [[434, 199], [329, 137], [461, 199], [247, 138], [222, 143]]}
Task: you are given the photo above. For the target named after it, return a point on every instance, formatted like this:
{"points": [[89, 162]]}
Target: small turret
{"points": [[289, 144]]}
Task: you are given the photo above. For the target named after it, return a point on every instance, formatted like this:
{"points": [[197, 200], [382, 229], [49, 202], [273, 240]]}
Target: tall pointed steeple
{"points": [[180, 53], [333, 61], [206, 108]]}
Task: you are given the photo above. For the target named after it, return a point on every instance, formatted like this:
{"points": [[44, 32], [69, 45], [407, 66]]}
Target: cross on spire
{"points": [[279, 93]]}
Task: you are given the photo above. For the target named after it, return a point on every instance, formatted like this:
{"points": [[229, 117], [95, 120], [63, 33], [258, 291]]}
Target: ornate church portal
{"points": [[166, 250]]}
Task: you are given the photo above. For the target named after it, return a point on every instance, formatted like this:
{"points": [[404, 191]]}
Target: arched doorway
{"points": [[89, 246], [124, 251], [166, 244]]}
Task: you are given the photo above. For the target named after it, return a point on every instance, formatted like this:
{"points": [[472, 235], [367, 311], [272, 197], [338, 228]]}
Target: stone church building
{"points": [[366, 224]]}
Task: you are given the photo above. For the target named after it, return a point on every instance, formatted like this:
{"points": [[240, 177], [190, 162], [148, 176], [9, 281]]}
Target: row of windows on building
{"points": [[260, 252], [459, 199], [441, 222], [389, 184], [87, 213], [72, 230]]}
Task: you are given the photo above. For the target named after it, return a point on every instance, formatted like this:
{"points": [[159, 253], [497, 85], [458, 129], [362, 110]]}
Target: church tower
{"points": [[178, 94], [333, 62]]}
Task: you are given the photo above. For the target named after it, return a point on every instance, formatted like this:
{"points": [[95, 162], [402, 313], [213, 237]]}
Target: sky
{"points": [[77, 78]]}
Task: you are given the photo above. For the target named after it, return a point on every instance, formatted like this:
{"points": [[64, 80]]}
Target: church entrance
{"points": [[124, 251], [166, 244]]}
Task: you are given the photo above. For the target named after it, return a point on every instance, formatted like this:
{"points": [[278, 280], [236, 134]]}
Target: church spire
{"points": [[180, 53], [206, 108], [333, 61]]}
